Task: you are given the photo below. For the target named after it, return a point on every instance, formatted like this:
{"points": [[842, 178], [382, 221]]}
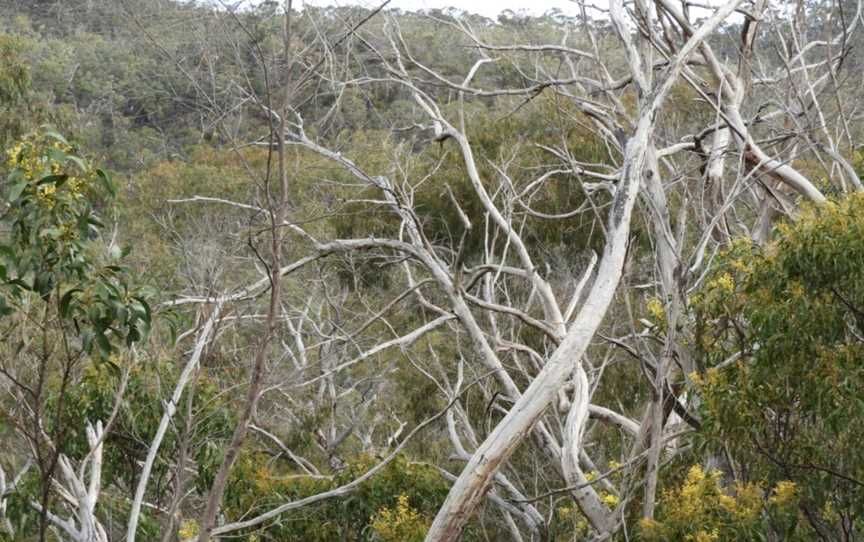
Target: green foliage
{"points": [[93, 399], [14, 72], [155, 225], [18, 510], [53, 250], [126, 446], [699, 510], [496, 138], [25, 100], [790, 408], [434, 171], [400, 524], [66, 301], [14, 88], [399, 500]]}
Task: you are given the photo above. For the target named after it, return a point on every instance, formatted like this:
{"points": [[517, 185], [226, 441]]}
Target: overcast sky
{"points": [[489, 8]]}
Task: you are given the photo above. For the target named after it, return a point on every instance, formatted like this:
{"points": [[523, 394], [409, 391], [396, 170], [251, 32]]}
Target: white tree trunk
{"points": [[474, 481], [170, 409]]}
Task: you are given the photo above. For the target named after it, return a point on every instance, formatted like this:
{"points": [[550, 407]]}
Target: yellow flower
{"points": [[13, 154], [581, 526], [59, 145], [728, 503], [739, 265], [784, 493], [724, 282], [748, 503], [610, 500], [263, 479], [695, 475], [401, 524], [796, 289], [713, 376], [705, 536], [188, 529], [45, 194], [696, 378], [700, 511], [651, 529], [655, 309], [76, 186], [829, 512]]}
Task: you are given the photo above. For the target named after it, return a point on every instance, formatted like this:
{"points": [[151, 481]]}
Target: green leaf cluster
{"points": [[53, 248], [791, 407]]}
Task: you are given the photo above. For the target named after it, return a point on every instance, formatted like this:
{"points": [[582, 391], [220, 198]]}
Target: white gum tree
{"points": [[695, 182], [704, 142]]}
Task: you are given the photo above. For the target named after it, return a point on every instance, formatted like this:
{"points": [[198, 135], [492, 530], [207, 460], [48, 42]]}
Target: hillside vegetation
{"points": [[359, 274]]}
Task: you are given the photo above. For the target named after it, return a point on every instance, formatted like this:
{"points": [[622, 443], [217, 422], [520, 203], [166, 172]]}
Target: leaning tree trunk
{"points": [[472, 484]]}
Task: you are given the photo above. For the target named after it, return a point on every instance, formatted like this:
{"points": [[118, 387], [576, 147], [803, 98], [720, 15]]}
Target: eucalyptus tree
{"points": [[702, 178], [66, 303], [499, 251], [655, 67]]}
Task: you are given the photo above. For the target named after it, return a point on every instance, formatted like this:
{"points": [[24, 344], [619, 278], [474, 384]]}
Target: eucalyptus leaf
{"points": [[15, 191], [106, 182]]}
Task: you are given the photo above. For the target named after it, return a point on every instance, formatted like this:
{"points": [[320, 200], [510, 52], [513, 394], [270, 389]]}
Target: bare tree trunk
{"points": [[474, 481], [277, 219], [170, 409]]}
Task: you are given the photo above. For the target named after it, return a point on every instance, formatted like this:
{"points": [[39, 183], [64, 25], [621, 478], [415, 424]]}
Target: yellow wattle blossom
{"points": [[76, 186], [725, 283], [728, 503], [712, 375], [576, 524], [784, 493], [749, 502], [696, 378], [60, 146], [651, 529], [38, 155], [402, 524], [188, 529], [704, 536], [45, 194], [655, 309], [27, 155], [699, 510], [829, 513], [696, 486], [740, 266], [581, 526], [796, 289], [13, 154], [711, 378], [263, 478], [610, 500]]}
